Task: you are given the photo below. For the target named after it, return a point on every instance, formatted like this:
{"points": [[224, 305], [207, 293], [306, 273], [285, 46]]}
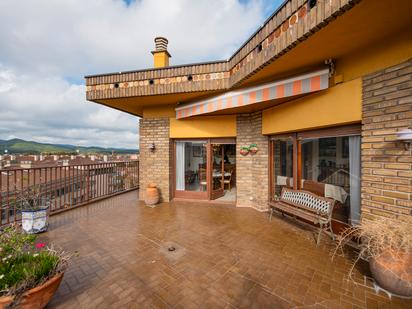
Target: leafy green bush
{"points": [[24, 264]]}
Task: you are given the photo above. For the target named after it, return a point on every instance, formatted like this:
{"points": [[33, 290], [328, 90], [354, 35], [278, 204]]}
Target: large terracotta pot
{"points": [[152, 195], [393, 272], [36, 298]]}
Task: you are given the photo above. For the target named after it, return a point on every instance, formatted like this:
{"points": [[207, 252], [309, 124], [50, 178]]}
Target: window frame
{"points": [[297, 137]]}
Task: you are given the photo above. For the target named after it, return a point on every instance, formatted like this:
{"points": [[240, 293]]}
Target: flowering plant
{"points": [[25, 264]]}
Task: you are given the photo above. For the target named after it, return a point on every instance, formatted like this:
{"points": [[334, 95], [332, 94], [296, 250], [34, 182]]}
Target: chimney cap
{"points": [[161, 45], [161, 38]]}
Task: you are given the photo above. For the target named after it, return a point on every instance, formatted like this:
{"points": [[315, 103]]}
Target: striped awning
{"points": [[298, 85]]}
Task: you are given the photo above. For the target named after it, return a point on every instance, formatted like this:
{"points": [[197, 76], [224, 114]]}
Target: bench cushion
{"points": [[308, 200]]}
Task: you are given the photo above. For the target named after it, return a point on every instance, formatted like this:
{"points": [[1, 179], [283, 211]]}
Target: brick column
{"points": [[155, 167], [252, 170], [386, 165]]}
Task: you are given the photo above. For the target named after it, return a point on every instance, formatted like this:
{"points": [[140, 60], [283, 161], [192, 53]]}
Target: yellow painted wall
{"points": [[206, 126], [340, 104], [378, 56], [161, 59], [159, 111]]}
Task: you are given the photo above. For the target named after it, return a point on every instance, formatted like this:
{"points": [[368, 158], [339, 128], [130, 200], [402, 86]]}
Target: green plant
{"points": [[244, 148], [24, 264], [253, 146]]}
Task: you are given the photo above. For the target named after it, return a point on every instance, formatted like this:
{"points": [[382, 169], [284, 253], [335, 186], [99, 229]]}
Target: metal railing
{"points": [[64, 187]]}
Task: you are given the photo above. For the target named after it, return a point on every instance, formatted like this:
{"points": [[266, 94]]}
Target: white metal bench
{"points": [[305, 205]]}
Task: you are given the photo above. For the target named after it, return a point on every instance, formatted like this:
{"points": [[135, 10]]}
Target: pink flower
{"points": [[40, 245]]}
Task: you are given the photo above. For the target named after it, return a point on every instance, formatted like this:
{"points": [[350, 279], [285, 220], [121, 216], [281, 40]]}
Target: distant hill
{"points": [[19, 146]]}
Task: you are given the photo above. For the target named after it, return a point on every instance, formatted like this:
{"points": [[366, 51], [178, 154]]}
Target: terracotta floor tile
{"points": [[225, 257]]}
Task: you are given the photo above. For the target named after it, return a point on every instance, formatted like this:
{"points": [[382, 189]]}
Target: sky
{"points": [[48, 46]]}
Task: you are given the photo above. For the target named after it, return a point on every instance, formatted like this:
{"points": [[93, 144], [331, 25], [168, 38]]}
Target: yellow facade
{"points": [[340, 104], [376, 57], [159, 111], [203, 127]]}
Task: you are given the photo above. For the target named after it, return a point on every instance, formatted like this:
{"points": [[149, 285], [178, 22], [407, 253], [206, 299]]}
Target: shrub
{"points": [[24, 264]]}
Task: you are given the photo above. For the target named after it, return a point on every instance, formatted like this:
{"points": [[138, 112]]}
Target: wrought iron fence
{"points": [[64, 187]]}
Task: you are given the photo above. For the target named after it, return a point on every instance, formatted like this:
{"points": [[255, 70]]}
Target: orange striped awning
{"points": [[302, 84]]}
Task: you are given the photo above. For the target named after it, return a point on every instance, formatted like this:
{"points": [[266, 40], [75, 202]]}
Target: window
{"points": [[283, 164], [326, 162]]}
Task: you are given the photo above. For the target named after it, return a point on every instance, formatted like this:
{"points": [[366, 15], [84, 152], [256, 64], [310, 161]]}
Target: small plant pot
{"points": [[253, 150], [244, 152], [35, 298], [152, 195], [35, 221], [393, 272]]}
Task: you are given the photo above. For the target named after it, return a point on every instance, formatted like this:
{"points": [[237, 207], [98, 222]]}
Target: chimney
{"points": [[160, 54]]}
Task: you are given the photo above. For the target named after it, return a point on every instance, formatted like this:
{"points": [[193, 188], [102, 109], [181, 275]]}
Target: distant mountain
{"points": [[20, 146]]}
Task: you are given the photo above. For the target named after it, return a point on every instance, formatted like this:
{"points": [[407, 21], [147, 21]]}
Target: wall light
{"points": [[152, 147], [405, 136]]}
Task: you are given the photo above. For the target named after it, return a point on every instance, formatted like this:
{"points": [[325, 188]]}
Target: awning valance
{"points": [[298, 85]]}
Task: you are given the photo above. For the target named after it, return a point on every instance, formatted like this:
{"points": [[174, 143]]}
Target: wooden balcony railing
{"points": [[64, 187]]}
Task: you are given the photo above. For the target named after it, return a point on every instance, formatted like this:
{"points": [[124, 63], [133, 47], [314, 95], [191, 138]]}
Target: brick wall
{"points": [[386, 165], [155, 167], [252, 170]]}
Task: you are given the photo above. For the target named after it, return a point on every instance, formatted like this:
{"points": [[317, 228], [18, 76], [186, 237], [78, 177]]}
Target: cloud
{"points": [[48, 46]]}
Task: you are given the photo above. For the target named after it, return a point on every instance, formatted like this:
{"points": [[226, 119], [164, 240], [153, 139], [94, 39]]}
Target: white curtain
{"points": [[180, 165], [354, 180]]}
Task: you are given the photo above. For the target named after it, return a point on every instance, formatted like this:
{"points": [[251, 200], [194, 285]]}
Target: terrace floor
{"points": [[225, 257]]}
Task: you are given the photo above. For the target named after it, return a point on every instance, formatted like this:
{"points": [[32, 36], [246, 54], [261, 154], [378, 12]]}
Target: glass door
{"points": [[205, 169], [223, 167], [191, 177], [217, 171]]}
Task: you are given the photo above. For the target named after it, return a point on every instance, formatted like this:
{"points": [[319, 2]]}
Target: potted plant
{"points": [[30, 272], [387, 245], [34, 206], [253, 148], [244, 151]]}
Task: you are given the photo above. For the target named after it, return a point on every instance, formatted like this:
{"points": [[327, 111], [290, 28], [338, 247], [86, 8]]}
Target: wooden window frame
{"points": [[297, 137]]}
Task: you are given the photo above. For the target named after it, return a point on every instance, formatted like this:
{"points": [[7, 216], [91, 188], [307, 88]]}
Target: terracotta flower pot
{"points": [[38, 297], [152, 195], [393, 272], [244, 152]]}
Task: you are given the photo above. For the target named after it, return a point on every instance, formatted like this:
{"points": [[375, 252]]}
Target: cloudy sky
{"points": [[47, 46]]}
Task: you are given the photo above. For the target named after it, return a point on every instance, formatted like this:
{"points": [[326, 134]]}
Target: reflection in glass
{"points": [[282, 164], [191, 165], [331, 167]]}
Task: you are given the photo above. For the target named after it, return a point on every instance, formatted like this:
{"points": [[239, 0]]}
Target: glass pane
{"points": [[282, 165], [191, 166], [218, 165], [330, 166]]}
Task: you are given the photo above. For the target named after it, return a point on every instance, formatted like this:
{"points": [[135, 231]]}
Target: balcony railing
{"points": [[65, 187]]}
